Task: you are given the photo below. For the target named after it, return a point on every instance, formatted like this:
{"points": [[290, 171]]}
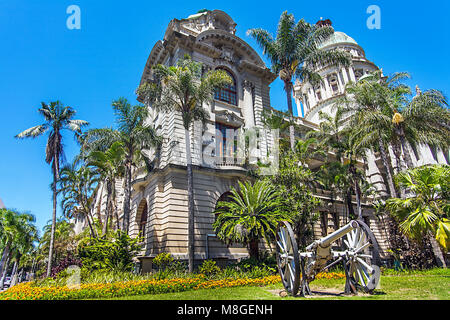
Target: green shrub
{"points": [[163, 260], [112, 253], [209, 268]]}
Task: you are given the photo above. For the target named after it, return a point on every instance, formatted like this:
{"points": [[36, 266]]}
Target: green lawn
{"points": [[434, 285]]}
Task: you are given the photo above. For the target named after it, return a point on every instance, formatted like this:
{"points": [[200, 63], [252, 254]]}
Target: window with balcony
{"points": [[226, 143]]}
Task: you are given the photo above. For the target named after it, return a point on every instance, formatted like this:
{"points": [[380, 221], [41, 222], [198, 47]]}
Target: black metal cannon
{"points": [[359, 256]]}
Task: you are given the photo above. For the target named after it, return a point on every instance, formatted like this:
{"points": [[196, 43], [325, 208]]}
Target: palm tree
{"points": [[17, 234], [382, 114], [78, 186], [295, 53], [183, 89], [427, 209], [425, 119], [57, 118], [63, 240], [295, 183], [135, 136], [335, 137], [364, 105], [250, 215], [110, 166], [25, 242]]}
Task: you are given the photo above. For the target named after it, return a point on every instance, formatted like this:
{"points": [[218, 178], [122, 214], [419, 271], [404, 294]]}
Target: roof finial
{"points": [[324, 23], [418, 91]]}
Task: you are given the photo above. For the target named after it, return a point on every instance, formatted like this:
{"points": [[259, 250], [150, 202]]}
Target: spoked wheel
{"points": [[288, 258], [363, 263]]}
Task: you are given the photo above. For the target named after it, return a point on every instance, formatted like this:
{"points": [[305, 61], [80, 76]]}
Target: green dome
{"points": [[337, 38]]}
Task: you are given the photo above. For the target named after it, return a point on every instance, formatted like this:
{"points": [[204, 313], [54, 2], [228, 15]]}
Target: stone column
{"points": [[352, 74], [345, 76], [248, 106], [328, 92]]}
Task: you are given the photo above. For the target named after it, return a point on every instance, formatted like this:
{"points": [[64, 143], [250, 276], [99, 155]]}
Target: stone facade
{"points": [[160, 200]]}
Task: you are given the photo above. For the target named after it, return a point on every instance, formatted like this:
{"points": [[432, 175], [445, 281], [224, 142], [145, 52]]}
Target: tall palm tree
{"points": [[364, 105], [77, 186], [425, 119], [110, 166], [135, 135], [183, 89], [295, 53], [250, 215], [383, 115], [335, 137], [427, 210], [57, 118]]}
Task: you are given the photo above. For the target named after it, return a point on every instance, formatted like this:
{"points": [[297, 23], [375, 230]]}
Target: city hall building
{"points": [[160, 198]]}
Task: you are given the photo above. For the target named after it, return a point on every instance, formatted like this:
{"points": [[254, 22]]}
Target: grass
{"points": [[427, 285]]}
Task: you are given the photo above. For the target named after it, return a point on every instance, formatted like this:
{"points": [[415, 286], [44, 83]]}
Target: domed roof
{"points": [[337, 38]]}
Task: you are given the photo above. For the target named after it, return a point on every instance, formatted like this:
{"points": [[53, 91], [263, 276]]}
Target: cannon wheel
{"points": [[362, 267], [288, 258]]}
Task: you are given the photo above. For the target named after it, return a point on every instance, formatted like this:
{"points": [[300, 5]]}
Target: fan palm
{"points": [[57, 118], [135, 136], [183, 89], [295, 53], [250, 215]]}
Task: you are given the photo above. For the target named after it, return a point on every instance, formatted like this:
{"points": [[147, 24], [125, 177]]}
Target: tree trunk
{"points": [[387, 165], [5, 256], [406, 153], [108, 206], [3, 273], [440, 259], [52, 234], [288, 89], [127, 197], [358, 199], [191, 215], [254, 249], [348, 199], [14, 274], [114, 208]]}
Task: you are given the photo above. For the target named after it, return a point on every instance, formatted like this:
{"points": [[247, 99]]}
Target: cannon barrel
{"points": [[332, 237]]}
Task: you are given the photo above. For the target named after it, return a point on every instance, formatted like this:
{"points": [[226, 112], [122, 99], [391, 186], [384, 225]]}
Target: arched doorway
{"points": [[141, 218]]}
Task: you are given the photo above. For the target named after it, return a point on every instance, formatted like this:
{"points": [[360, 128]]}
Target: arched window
{"points": [[228, 93], [143, 220], [226, 197]]}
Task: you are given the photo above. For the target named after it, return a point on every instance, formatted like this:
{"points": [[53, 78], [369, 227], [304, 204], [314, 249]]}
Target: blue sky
{"points": [[42, 60]]}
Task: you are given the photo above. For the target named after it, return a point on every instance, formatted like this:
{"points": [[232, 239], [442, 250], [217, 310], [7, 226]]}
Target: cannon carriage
{"points": [[359, 256]]}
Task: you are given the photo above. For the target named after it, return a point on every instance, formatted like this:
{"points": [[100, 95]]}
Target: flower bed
{"points": [[29, 291]]}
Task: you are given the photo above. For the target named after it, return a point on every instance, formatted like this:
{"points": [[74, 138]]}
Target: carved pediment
{"points": [[230, 118]]}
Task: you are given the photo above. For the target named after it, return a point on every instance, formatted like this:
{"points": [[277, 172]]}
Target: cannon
{"points": [[359, 256]]}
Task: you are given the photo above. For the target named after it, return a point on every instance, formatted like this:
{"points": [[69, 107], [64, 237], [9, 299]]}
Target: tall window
{"points": [[143, 221], [228, 93], [334, 84], [226, 141]]}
